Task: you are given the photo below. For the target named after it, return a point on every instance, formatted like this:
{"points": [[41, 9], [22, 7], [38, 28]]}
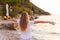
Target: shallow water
{"points": [[47, 31], [41, 31]]}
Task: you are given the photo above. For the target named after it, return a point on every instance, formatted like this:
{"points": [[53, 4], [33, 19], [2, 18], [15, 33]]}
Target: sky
{"points": [[51, 6]]}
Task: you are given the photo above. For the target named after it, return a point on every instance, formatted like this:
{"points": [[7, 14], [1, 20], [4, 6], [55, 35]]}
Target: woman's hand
{"points": [[53, 23]]}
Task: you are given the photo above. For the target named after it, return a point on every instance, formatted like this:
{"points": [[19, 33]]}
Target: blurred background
{"points": [[43, 10]]}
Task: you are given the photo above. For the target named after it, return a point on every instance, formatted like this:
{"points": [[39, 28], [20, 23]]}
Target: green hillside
{"points": [[18, 6], [37, 10]]}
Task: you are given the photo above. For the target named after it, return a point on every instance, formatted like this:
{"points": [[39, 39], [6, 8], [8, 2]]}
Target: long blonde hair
{"points": [[24, 21]]}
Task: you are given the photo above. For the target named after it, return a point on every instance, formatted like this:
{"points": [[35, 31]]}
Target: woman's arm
{"points": [[35, 22]]}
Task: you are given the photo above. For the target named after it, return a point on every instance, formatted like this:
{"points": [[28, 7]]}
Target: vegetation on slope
{"points": [[17, 6]]}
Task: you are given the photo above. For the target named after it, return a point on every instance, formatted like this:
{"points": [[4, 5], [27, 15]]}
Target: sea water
{"points": [[46, 31]]}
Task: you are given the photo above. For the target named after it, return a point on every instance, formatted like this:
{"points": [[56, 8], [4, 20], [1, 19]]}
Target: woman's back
{"points": [[27, 34]]}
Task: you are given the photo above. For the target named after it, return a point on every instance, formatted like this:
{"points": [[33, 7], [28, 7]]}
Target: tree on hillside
{"points": [[13, 4], [11, 1], [16, 6]]}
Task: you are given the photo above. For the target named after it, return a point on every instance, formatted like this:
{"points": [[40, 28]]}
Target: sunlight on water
{"points": [[47, 31]]}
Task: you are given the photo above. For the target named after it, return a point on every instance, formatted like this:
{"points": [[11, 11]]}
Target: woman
{"points": [[25, 25]]}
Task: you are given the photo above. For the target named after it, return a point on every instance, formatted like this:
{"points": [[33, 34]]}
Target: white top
{"points": [[26, 35]]}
